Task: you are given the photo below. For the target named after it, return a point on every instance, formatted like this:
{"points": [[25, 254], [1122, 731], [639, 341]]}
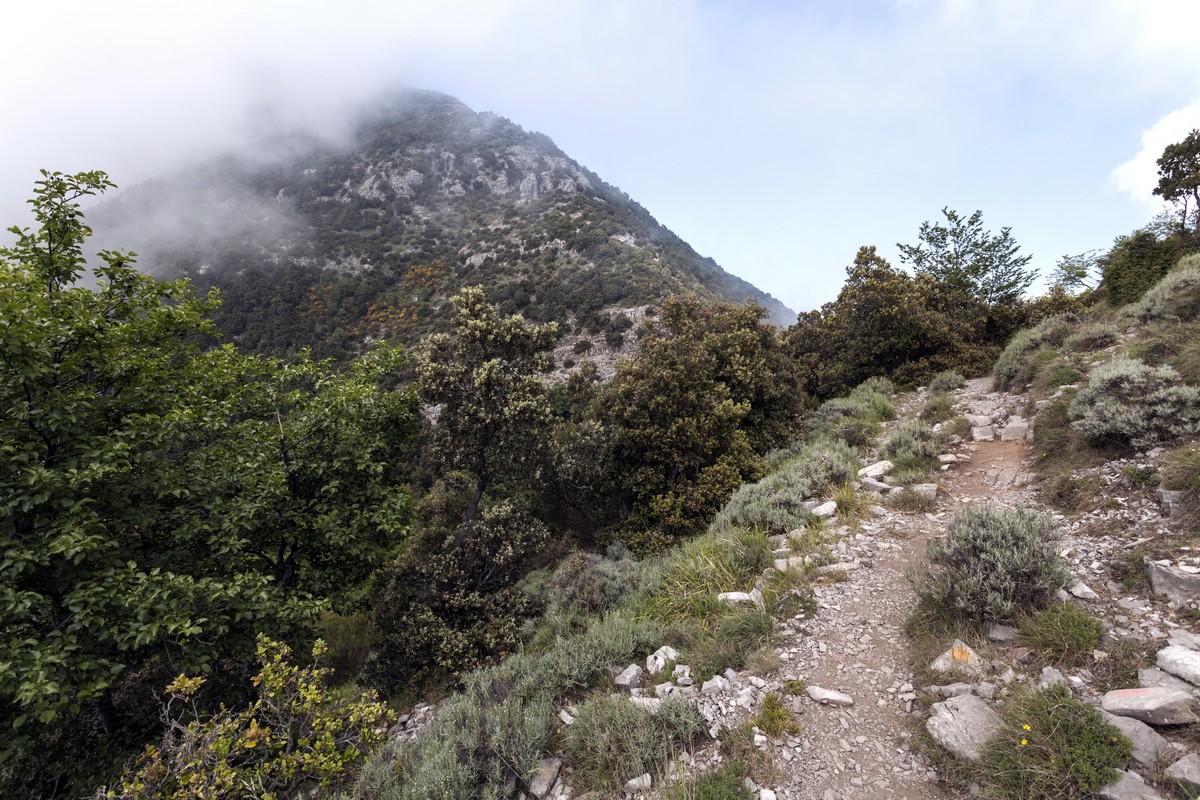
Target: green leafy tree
{"points": [[158, 504], [1179, 176], [1082, 271], [969, 259], [493, 405], [886, 322], [709, 388]]}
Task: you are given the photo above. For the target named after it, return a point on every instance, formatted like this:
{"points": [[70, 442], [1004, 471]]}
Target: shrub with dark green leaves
{"points": [[993, 565], [1128, 402], [726, 783], [946, 381], [775, 504], [613, 740], [1052, 747], [453, 603]]}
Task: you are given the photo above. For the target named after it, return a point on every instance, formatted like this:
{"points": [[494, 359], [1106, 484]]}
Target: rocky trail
{"points": [[856, 715]]}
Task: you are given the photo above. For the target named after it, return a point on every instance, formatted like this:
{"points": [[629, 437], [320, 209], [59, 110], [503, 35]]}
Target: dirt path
{"points": [[856, 644]]}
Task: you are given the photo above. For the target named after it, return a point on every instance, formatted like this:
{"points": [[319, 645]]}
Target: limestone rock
{"points": [[829, 697], [632, 677], [641, 783], [1015, 431], [1001, 634], [927, 490], [752, 598], [1187, 771], [959, 657], [1050, 677], [1082, 591], [714, 685], [985, 433], [963, 725], [825, 510], [1155, 705], [1183, 638], [1148, 745], [1182, 587], [1128, 786], [656, 661], [876, 470], [873, 485], [544, 776], [1180, 662], [1170, 502], [1153, 676], [979, 420]]}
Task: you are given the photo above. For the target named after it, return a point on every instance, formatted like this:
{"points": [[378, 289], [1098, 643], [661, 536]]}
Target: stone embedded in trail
{"points": [[1183, 638], [1153, 676], [979, 420], [792, 562], [828, 697], [927, 490], [876, 470], [1187, 771], [1082, 591], [1128, 786], [1001, 634], [1149, 746], [1016, 430], [1180, 662], [963, 725], [1155, 705], [959, 657], [1182, 587], [985, 433]]}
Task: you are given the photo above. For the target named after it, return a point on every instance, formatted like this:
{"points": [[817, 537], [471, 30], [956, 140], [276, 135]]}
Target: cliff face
{"points": [[329, 245]]}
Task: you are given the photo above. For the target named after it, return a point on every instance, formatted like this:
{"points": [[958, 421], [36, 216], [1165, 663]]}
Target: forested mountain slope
{"points": [[326, 245]]}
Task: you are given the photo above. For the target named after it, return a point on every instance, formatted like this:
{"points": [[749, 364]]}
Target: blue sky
{"points": [[776, 137]]}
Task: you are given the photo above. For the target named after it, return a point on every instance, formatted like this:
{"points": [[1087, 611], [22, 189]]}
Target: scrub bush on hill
{"points": [[1127, 402], [1176, 297], [295, 734], [1018, 363], [993, 565], [912, 448], [946, 381], [775, 504]]}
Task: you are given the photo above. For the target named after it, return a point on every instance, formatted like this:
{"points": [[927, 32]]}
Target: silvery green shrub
{"points": [[946, 381], [1013, 368], [993, 565], [1128, 402], [1176, 296], [776, 503]]}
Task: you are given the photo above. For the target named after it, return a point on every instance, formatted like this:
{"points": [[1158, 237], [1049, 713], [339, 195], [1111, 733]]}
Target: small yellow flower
{"points": [[1024, 742], [1026, 727]]}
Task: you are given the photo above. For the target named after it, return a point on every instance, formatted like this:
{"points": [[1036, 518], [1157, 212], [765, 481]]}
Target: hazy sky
{"points": [[776, 137]]}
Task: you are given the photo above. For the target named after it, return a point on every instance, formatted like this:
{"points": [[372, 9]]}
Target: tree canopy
{"points": [[1179, 175], [159, 503], [971, 260]]}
